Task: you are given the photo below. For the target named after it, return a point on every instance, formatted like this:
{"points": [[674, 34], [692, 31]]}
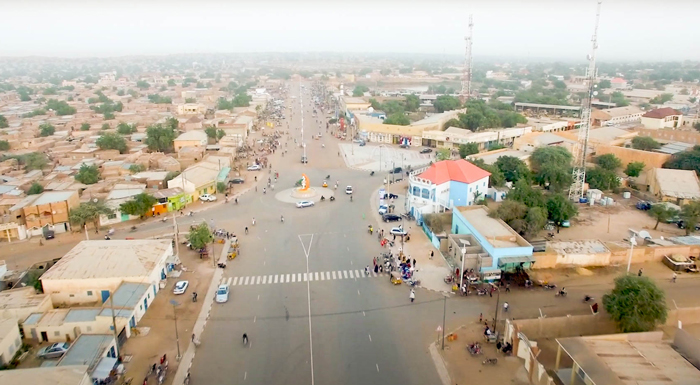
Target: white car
{"points": [[222, 294], [348, 190], [207, 198], [383, 209], [398, 231], [255, 167], [181, 287], [302, 204]]}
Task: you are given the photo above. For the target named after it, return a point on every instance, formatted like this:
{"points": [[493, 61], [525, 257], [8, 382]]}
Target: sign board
{"points": [[491, 275], [382, 193]]}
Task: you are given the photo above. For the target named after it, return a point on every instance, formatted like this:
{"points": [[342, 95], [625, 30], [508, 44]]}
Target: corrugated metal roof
{"points": [[128, 294]]}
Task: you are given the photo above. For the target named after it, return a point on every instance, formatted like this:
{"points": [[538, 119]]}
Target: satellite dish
{"points": [[370, 109], [644, 234]]}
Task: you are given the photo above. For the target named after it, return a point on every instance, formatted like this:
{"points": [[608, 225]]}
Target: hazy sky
{"points": [[660, 30]]}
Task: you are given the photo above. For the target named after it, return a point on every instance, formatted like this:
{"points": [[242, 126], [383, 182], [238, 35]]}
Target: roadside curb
{"points": [[440, 364]]}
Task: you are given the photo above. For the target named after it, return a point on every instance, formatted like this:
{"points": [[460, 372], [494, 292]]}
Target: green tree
{"points": [[636, 304], [550, 155], [220, 187], [36, 188], [646, 143], [139, 205], [633, 169], [4, 145], [686, 160], [524, 193], [443, 154], [3, 122], [35, 161], [60, 107], [510, 211], [211, 132], [513, 168], [661, 99], [169, 176], [554, 177], [220, 133], [359, 90], [88, 174], [157, 99], [604, 84], [696, 125], [88, 212], [662, 212], [190, 100], [85, 127], [690, 214], [535, 219], [142, 84], [105, 126], [397, 119], [496, 179], [109, 115], [453, 123], [46, 129], [468, 149], [619, 99], [412, 103], [608, 162], [112, 141], [602, 179], [200, 236], [171, 83], [446, 103], [560, 209], [126, 128], [159, 138], [137, 168]]}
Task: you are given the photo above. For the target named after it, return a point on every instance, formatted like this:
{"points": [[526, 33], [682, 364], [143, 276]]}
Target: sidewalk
{"points": [[431, 272]]}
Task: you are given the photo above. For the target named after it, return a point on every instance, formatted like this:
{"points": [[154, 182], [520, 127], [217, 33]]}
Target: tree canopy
{"points": [[84, 126], [443, 154], [112, 141], [602, 179], [398, 119], [633, 169], [690, 214], [662, 212], [513, 169], [636, 304], [126, 128], [4, 145], [481, 115], [359, 90], [35, 188], [157, 99], [139, 205], [686, 160], [468, 149], [88, 212], [88, 174], [446, 103], [560, 209], [46, 129], [646, 143], [608, 162], [60, 107], [3, 122], [200, 236], [412, 103], [160, 138]]}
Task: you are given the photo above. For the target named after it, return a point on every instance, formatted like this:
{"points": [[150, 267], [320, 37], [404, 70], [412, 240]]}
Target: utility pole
{"points": [[498, 300], [444, 315], [177, 336], [114, 322]]}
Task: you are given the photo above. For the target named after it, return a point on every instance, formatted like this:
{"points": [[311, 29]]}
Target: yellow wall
{"points": [[628, 155]]}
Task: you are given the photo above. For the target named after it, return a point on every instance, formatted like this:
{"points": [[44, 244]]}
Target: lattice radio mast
{"points": [[579, 172], [467, 72]]}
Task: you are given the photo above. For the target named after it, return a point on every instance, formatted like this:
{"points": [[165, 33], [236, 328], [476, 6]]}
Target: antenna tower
{"points": [[467, 72], [579, 172]]}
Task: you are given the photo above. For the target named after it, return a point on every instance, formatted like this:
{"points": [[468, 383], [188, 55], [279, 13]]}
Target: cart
{"points": [[396, 278]]}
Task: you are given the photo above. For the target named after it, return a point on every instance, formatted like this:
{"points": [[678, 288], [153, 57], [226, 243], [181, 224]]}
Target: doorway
{"points": [[44, 337]]}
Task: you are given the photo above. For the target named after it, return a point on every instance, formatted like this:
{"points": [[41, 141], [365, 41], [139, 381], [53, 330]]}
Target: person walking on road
{"points": [[505, 307], [639, 274], [432, 253], [412, 295], [673, 277], [246, 229]]}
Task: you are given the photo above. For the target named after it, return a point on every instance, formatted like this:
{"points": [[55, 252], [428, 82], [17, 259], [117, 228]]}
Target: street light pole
{"points": [[444, 314], [498, 300], [177, 336], [633, 242]]}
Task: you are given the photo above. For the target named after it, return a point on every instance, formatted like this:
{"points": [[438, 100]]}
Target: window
{"points": [[71, 295], [56, 333], [89, 328], [111, 216], [89, 293], [140, 307]]}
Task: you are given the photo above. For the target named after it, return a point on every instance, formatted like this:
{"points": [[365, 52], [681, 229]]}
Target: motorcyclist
{"points": [[282, 218]]}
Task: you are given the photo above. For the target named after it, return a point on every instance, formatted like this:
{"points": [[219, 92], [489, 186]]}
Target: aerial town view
{"points": [[390, 193]]}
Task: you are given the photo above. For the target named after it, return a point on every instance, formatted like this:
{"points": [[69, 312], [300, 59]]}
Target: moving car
{"points": [[426, 150], [237, 181], [302, 204], [397, 170], [255, 167], [222, 293], [398, 231], [54, 350], [391, 218], [362, 143], [207, 198], [348, 190], [304, 159], [181, 287]]}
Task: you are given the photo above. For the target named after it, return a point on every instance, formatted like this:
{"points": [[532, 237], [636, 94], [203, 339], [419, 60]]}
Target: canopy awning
{"points": [[517, 259], [104, 367]]}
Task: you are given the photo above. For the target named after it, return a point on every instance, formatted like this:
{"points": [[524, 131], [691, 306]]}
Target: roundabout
{"points": [[304, 192]]}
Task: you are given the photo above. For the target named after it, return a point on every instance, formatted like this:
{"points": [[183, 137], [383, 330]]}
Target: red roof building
{"points": [[661, 118], [454, 170], [661, 113]]}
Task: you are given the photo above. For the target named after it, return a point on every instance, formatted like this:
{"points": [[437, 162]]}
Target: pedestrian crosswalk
{"points": [[299, 277]]}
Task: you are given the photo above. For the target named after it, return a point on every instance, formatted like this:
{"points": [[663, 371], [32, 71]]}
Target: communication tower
{"points": [[467, 72]]}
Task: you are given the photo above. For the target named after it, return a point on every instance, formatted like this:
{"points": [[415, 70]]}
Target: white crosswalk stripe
{"points": [[299, 277]]}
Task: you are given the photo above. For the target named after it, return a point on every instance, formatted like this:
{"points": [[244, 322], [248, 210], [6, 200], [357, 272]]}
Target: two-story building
{"points": [[191, 139], [197, 179], [504, 249], [662, 118], [444, 185], [50, 208]]}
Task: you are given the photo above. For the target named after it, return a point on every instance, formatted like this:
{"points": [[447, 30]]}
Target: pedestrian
{"points": [[481, 317], [673, 277], [394, 236], [414, 262], [432, 253], [376, 269], [246, 229], [367, 270], [381, 269], [490, 293], [192, 337], [639, 274], [374, 261], [412, 296], [507, 287], [505, 307]]}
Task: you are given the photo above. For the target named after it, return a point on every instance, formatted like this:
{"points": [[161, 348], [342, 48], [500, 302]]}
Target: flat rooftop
{"points": [[578, 247], [128, 294], [497, 233], [20, 298], [88, 349], [65, 375]]}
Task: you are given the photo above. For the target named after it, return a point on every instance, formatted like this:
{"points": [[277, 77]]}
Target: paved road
{"points": [[335, 328]]}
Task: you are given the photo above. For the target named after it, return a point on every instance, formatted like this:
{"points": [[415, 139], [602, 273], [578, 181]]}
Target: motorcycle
{"points": [[490, 361], [474, 349], [560, 293], [587, 298], [549, 286], [371, 173], [323, 198], [481, 292], [332, 198]]}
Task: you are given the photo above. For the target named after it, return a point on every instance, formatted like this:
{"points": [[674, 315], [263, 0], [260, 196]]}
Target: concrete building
{"points": [[98, 351], [196, 180], [20, 303], [90, 271], [50, 208], [553, 125], [191, 109], [617, 115], [618, 83], [170, 199], [453, 137], [51, 375], [114, 200], [191, 139], [10, 340], [373, 129], [631, 358], [446, 184], [530, 142], [662, 118], [506, 249], [675, 186]]}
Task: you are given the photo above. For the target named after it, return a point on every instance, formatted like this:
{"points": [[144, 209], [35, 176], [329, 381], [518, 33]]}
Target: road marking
{"points": [[358, 274], [370, 337], [264, 281], [257, 281], [333, 274], [306, 279], [351, 262], [345, 274], [352, 273], [256, 318], [235, 280], [276, 277], [348, 248], [246, 280], [377, 368], [245, 375], [358, 291], [264, 263], [363, 314], [316, 276], [269, 278], [287, 278], [258, 297]]}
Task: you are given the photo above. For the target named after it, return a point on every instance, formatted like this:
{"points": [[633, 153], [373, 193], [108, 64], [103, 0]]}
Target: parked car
{"points": [[348, 190], [383, 209], [222, 293], [681, 225], [181, 287], [404, 146], [254, 167], [207, 198], [398, 231], [391, 218], [392, 196], [237, 181], [426, 150], [54, 350], [397, 170], [643, 205], [302, 204], [362, 143]]}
